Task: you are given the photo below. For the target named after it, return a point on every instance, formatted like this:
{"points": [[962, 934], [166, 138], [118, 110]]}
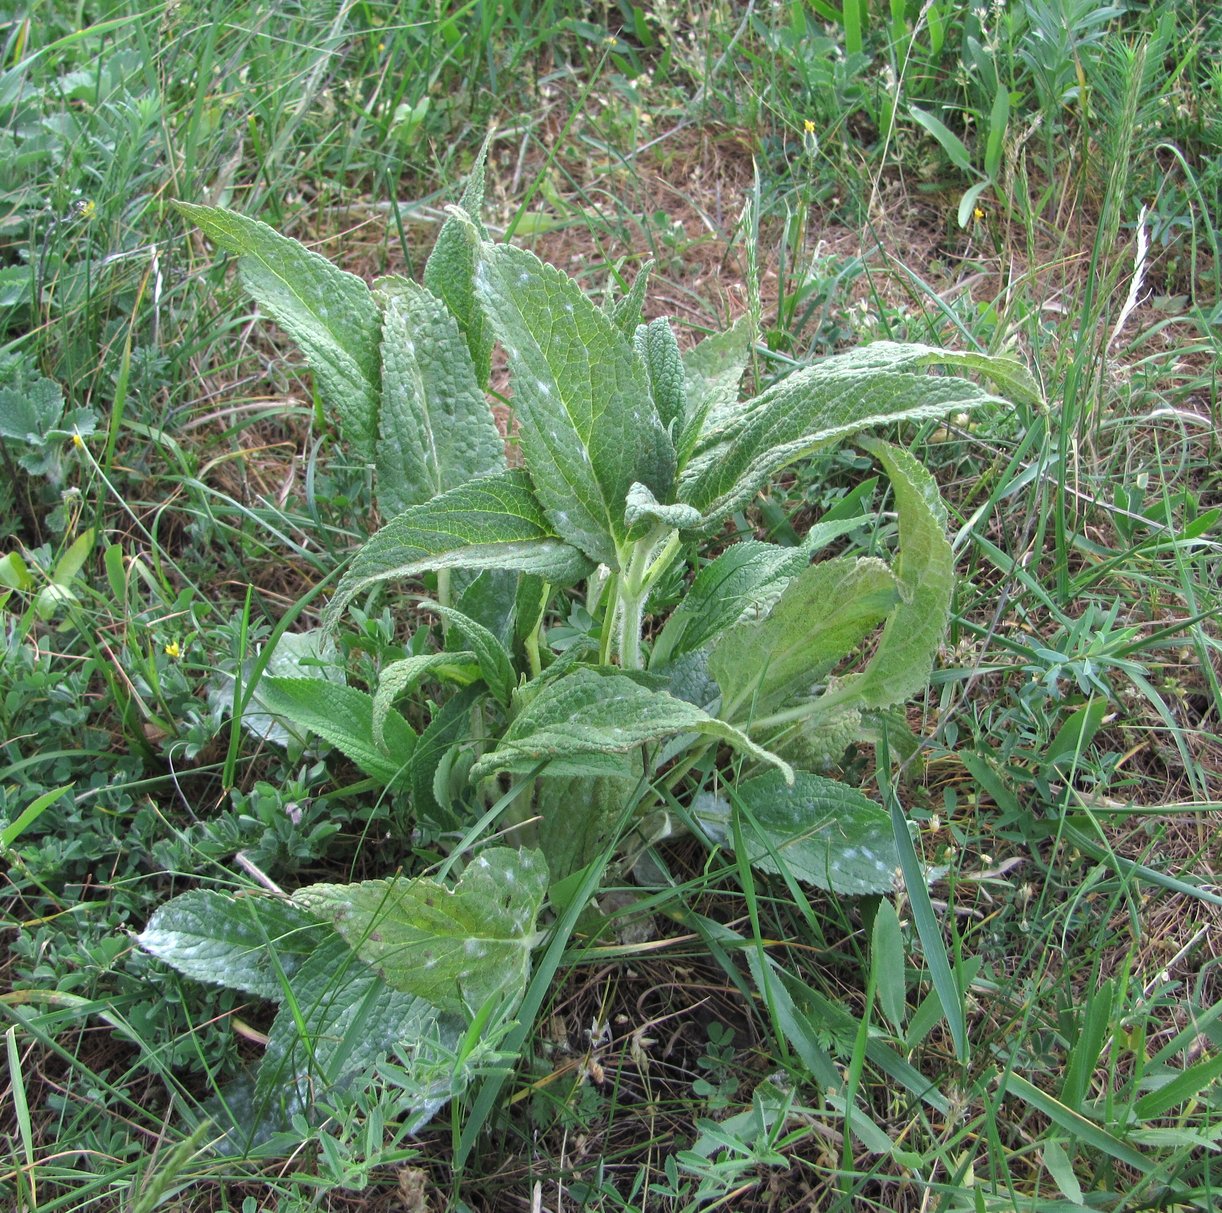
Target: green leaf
{"points": [[578, 813], [925, 566], [29, 413], [13, 830], [947, 987], [495, 665], [1079, 1128], [435, 430], [13, 572], [343, 717], [714, 370], [457, 947], [214, 937], [449, 726], [887, 964], [402, 677], [1075, 735], [449, 272], [825, 833], [1180, 1086], [874, 385], [824, 611], [643, 511], [744, 580], [491, 523], [73, 560], [656, 345], [589, 712], [337, 1020], [950, 143], [1057, 1164], [626, 312], [329, 313], [588, 427]]}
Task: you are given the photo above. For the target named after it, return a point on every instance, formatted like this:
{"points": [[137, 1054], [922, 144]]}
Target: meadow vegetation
{"points": [[234, 703]]}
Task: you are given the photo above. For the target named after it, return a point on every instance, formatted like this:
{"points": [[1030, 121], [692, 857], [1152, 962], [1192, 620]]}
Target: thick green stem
{"points": [[642, 571]]}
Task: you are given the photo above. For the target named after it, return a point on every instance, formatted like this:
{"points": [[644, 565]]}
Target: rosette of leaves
{"points": [[633, 455]]}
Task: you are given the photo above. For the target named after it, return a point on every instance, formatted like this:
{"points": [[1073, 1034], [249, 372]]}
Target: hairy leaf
{"points": [[340, 1020], [874, 385], [403, 676], [457, 947], [329, 313], [746, 577], [714, 371], [449, 272], [578, 813], [826, 833], [343, 716], [626, 312], [492, 523], [592, 712], [495, 665], [925, 565], [225, 940], [589, 429], [825, 610], [656, 345], [450, 726], [643, 511], [29, 412], [436, 430]]}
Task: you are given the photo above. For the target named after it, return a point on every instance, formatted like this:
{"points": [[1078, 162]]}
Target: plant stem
{"points": [[642, 572]]}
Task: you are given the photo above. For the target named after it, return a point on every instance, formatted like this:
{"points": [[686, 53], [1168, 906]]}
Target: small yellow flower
{"points": [[173, 649], [978, 213], [808, 126], [381, 47], [77, 440]]}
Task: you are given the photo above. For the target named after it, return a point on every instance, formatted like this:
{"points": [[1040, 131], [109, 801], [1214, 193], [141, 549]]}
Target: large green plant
{"points": [[726, 708]]}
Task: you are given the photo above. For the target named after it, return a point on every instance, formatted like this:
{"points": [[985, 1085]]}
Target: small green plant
{"points": [[601, 663]]}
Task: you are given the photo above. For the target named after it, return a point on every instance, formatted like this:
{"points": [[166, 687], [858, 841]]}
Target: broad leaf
{"points": [[925, 565], [492, 523], [403, 676], [329, 313], [343, 716], [457, 947], [579, 812], [714, 371], [591, 712], [450, 726], [740, 585], [435, 430], [657, 348], [495, 665], [588, 427], [225, 940], [825, 610], [450, 269], [875, 385], [744, 581], [340, 1020], [825, 833], [489, 596], [30, 412], [309, 654]]}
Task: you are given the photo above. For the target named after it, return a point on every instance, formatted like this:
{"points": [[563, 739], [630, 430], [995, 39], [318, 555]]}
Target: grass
{"points": [[738, 1043]]}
